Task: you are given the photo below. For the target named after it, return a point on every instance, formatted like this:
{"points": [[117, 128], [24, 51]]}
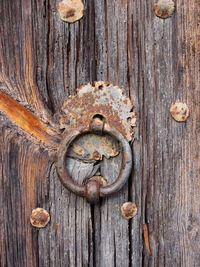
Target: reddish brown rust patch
{"points": [[128, 210], [39, 217], [146, 239], [27, 121], [164, 8], [56, 227], [69, 13], [92, 100]]}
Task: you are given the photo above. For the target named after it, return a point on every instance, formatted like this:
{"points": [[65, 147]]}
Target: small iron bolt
{"points": [[179, 111], [128, 210], [39, 217], [71, 10], [164, 8]]}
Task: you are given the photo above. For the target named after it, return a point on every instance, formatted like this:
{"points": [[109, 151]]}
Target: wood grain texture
{"points": [[28, 122], [157, 62]]}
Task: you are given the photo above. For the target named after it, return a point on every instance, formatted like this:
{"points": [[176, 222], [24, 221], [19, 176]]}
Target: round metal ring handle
{"points": [[91, 190]]}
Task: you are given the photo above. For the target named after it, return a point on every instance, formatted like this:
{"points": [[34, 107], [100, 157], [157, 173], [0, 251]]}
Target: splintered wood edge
{"points": [[27, 121]]}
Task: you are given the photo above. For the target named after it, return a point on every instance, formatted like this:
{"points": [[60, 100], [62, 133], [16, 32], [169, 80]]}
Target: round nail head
{"points": [[179, 111], [164, 8], [39, 217], [71, 10], [128, 210]]}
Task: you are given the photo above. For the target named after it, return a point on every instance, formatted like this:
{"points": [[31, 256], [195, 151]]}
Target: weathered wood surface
{"points": [[157, 61]]}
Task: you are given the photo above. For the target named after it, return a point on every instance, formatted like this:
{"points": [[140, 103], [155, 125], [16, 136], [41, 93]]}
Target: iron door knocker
{"points": [[92, 190]]}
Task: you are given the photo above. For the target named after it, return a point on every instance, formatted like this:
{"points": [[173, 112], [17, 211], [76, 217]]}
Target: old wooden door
{"points": [[42, 61]]}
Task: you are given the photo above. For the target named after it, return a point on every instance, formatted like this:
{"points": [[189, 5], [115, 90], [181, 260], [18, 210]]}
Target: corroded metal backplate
{"points": [[101, 99], [95, 147]]}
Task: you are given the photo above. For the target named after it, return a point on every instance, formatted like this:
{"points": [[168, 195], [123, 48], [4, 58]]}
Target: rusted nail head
{"points": [[71, 10], [164, 8], [128, 210], [179, 111], [39, 217]]}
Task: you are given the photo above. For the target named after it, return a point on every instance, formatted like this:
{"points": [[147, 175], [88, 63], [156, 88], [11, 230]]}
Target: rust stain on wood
{"points": [[146, 239], [56, 227], [27, 120]]}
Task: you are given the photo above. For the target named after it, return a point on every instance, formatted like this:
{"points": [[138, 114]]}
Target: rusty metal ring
{"points": [[82, 190]]}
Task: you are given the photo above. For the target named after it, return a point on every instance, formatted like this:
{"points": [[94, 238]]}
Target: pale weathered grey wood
{"points": [[157, 62], [71, 226], [111, 229], [167, 70]]}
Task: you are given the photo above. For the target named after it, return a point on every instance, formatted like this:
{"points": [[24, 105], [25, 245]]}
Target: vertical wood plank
{"points": [[24, 170], [67, 241], [163, 62]]}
